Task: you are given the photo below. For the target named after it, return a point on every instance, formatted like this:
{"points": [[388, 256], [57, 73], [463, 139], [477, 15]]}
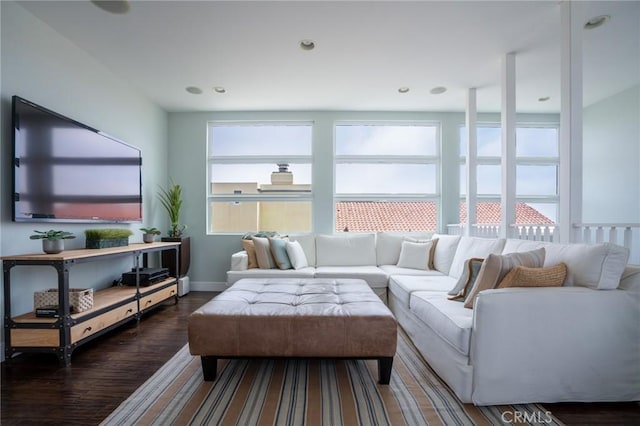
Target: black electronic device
{"points": [[147, 276], [66, 171]]}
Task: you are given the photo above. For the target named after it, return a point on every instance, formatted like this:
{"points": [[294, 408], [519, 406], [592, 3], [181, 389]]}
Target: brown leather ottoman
{"points": [[296, 317]]}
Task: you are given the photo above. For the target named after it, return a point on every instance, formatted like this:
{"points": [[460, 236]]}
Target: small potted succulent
{"points": [[52, 240], [149, 234]]}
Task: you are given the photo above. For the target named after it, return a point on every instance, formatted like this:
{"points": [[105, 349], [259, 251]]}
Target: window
{"points": [[259, 177], [386, 177], [537, 163]]}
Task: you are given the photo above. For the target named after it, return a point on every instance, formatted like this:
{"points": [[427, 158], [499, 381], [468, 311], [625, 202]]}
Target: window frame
{"points": [[436, 160], [211, 161]]}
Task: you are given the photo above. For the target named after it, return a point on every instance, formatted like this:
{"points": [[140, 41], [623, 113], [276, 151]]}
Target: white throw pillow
{"points": [[296, 255], [414, 255], [469, 247]]}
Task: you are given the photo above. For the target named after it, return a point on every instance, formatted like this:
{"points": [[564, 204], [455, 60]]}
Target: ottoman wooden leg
{"points": [[384, 370], [209, 367]]}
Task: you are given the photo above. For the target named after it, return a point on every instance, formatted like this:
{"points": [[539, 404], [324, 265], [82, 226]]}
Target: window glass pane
{"points": [[258, 178], [241, 216], [489, 179], [353, 178], [259, 139], [463, 180], [386, 140], [488, 212], [373, 216], [536, 180], [536, 142], [488, 139]]}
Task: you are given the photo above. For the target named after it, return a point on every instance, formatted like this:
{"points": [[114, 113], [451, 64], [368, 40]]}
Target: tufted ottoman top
{"points": [[294, 317]]}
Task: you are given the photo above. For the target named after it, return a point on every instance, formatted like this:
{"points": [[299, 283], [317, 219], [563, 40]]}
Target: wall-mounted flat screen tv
{"points": [[65, 171]]}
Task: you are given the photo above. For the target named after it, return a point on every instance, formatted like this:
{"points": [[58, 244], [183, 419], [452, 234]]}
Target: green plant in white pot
{"points": [[52, 240], [149, 234]]}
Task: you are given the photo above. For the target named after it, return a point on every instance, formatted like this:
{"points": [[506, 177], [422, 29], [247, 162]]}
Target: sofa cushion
{"points": [[397, 270], [278, 248], [233, 276], [630, 279], [513, 245], [252, 260], [416, 255], [449, 320], [495, 267], [403, 285], [346, 250], [469, 247], [522, 276], [296, 255], [374, 276], [445, 251], [263, 253], [389, 244], [308, 243], [597, 266]]}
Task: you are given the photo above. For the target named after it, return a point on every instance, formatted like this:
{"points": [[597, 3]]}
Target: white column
{"points": [[508, 198], [471, 163], [570, 179]]}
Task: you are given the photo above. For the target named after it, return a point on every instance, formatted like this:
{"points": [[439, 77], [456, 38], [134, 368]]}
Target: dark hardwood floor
{"points": [[103, 373]]}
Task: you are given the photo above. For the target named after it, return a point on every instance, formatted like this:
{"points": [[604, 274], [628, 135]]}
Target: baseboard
{"points": [[208, 286]]}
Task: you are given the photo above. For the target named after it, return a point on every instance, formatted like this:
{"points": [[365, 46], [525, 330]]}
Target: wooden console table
{"points": [[112, 306]]}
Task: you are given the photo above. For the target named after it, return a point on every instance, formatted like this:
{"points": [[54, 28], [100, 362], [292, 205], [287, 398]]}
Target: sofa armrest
{"points": [[240, 261], [555, 344]]}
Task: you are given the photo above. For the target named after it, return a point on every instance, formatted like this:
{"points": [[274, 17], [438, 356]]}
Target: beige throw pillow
{"points": [[521, 276], [263, 253], [248, 246], [495, 267]]}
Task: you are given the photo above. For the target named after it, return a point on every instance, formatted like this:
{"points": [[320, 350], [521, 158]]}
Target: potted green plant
{"points": [[104, 238], [171, 200], [149, 234], [52, 240]]}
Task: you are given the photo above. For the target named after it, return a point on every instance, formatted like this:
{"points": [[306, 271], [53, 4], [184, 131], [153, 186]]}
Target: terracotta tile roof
{"points": [[362, 216]]}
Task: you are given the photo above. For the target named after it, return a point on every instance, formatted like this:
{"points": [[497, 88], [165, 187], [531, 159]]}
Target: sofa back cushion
{"points": [[469, 247], [444, 251], [308, 244], [346, 250], [630, 278], [513, 245], [388, 245], [597, 266]]}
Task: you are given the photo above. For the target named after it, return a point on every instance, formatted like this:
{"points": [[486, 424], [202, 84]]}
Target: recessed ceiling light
{"points": [[219, 89], [194, 90], [596, 22], [544, 99], [403, 89], [438, 90], [307, 44], [118, 7]]}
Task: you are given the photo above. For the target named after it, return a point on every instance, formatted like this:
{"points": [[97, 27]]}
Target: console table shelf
{"points": [[112, 306]]}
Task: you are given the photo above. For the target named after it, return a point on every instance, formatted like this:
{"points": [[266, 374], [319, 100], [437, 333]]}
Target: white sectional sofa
{"points": [[577, 342]]}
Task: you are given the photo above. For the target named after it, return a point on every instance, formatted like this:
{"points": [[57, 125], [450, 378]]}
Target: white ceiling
{"points": [[365, 51]]}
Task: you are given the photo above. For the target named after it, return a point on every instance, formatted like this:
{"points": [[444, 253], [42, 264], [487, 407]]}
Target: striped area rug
{"points": [[309, 392]]}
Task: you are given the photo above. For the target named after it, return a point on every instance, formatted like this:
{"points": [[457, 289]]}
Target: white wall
{"points": [[611, 168], [43, 67]]}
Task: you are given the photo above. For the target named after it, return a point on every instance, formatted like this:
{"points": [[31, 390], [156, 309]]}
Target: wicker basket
{"points": [[80, 299]]}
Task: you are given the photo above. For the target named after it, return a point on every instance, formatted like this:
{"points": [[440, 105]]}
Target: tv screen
{"points": [[65, 171]]}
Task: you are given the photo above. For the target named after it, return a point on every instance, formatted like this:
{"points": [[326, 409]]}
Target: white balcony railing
{"points": [[623, 234]]}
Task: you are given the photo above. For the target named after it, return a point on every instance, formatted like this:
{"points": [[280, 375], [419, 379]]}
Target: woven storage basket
{"points": [[80, 299]]}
